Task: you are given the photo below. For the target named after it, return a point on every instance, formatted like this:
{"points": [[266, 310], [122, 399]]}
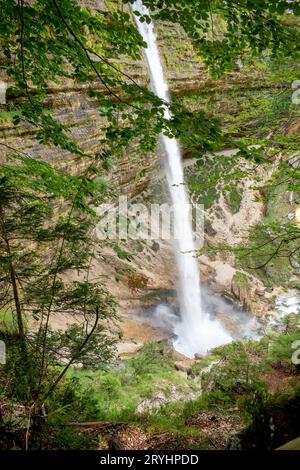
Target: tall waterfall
{"points": [[195, 332]]}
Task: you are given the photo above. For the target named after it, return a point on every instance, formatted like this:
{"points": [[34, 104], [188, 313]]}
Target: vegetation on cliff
{"points": [[47, 219]]}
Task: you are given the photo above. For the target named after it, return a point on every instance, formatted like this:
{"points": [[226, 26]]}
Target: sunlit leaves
{"points": [[247, 25], [49, 41]]}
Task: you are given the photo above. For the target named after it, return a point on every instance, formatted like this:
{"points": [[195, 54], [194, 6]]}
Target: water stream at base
{"points": [[196, 332]]}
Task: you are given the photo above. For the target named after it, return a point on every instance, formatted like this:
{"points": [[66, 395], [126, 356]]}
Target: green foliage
{"points": [[71, 402], [287, 332], [255, 26], [273, 246], [119, 389], [281, 350], [241, 280], [53, 41], [152, 359], [47, 220], [213, 175], [99, 350], [69, 438], [263, 114], [59, 41], [196, 131], [7, 324], [207, 402], [239, 373], [272, 420], [234, 198], [38, 247], [54, 44]]}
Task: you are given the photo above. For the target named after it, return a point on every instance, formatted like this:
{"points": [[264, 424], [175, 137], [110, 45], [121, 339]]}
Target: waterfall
{"points": [[195, 332]]}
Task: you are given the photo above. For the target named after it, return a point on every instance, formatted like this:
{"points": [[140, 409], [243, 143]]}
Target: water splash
{"points": [[196, 331]]}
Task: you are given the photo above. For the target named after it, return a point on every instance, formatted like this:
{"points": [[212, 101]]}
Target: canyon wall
{"points": [[139, 176], [72, 107]]}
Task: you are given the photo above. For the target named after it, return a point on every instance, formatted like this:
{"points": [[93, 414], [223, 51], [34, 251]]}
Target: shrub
{"points": [[285, 333], [272, 420], [68, 438], [238, 373]]}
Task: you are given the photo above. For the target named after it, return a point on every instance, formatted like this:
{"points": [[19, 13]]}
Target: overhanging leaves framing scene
{"points": [[149, 225]]}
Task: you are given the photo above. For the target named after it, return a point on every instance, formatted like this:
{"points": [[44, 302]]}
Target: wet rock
{"points": [[178, 357], [207, 272], [229, 323]]}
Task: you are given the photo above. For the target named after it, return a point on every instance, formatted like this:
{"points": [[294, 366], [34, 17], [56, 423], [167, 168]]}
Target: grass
{"points": [[119, 390], [7, 323], [241, 280], [229, 390], [6, 117], [70, 439], [237, 377]]}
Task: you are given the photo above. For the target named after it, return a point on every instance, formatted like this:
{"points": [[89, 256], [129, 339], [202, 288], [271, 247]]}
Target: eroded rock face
{"points": [[69, 103], [252, 294], [134, 173]]}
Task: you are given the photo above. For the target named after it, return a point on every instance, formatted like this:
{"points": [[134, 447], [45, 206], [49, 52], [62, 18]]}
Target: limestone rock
{"points": [[183, 367], [199, 357], [260, 292], [294, 282], [170, 395]]}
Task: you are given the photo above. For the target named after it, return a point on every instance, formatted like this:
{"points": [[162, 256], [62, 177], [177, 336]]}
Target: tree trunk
{"points": [[13, 278]]}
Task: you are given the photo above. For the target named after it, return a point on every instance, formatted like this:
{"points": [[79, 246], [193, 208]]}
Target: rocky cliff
{"points": [[148, 277], [72, 107]]}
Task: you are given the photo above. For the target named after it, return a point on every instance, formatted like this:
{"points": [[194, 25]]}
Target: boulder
{"points": [[183, 366], [199, 357]]}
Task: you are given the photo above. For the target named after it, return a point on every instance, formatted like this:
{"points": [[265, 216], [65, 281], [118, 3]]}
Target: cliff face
{"points": [[138, 175], [72, 107]]}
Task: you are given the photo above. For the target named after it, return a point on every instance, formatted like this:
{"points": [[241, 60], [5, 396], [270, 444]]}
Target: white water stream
{"points": [[196, 332]]}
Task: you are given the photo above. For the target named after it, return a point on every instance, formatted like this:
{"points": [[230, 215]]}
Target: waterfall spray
{"points": [[195, 332]]}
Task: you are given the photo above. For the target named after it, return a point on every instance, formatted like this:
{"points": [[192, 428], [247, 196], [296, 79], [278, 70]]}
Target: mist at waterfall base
{"points": [[237, 322], [196, 332]]}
